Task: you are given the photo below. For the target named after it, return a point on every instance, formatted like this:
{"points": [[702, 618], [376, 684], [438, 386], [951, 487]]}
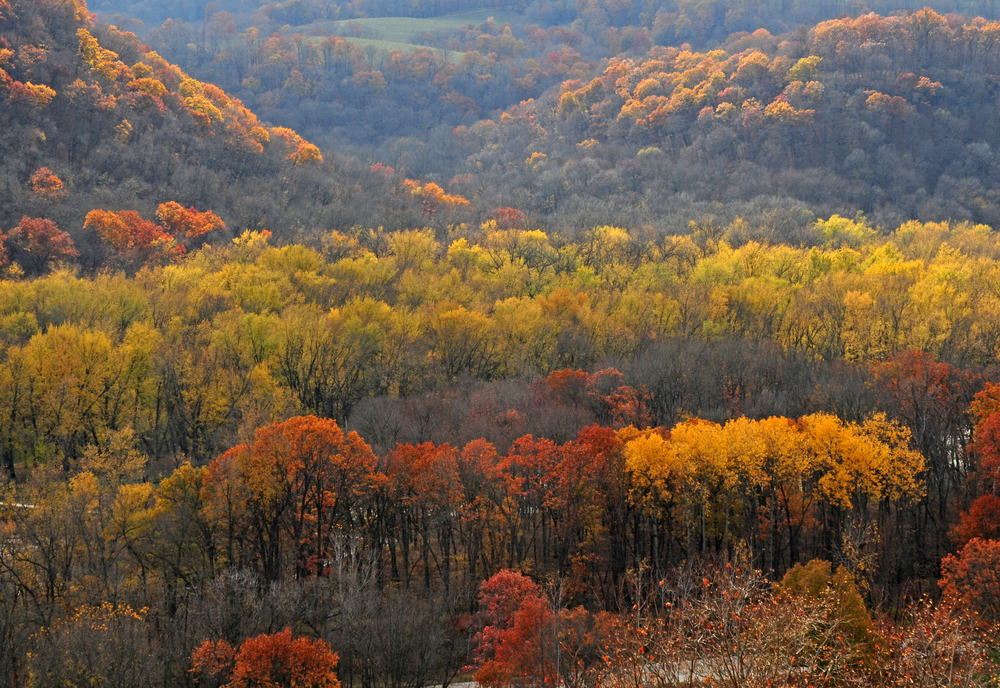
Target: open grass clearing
{"points": [[402, 30]]}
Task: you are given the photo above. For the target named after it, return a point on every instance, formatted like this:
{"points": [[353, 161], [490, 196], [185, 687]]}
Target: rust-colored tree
{"points": [[301, 481], [39, 244], [972, 579], [268, 661], [137, 240], [47, 185], [982, 520], [188, 222]]}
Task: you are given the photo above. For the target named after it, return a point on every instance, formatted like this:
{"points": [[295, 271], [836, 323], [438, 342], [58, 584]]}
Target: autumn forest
{"points": [[593, 344]]}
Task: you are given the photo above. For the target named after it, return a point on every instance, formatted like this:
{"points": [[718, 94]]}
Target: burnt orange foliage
{"points": [[42, 242], [521, 656], [981, 521], [213, 659], [434, 197], [187, 221], [300, 151], [270, 661], [128, 232], [986, 409], [500, 598], [972, 579], [510, 218], [45, 183], [569, 386], [303, 477]]}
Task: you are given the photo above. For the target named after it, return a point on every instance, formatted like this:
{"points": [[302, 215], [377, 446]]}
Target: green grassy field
{"points": [[398, 32], [393, 45]]}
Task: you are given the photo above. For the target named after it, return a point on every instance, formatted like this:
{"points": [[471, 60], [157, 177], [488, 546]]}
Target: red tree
{"points": [[40, 243], [981, 521], [972, 579], [500, 598], [138, 240]]}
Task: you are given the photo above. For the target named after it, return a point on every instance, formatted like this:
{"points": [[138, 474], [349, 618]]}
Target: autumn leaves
{"points": [[141, 242]]}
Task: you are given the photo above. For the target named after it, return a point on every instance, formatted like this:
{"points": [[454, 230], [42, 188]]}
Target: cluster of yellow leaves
{"points": [[821, 456], [246, 324], [103, 63]]}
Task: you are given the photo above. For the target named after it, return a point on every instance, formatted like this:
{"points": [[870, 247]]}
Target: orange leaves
{"points": [[880, 102], [187, 221], [972, 579], [152, 87], [213, 659], [144, 241], [42, 243], [302, 479], [46, 184], [422, 475], [38, 95], [434, 197], [128, 233], [307, 153], [300, 151], [781, 111], [277, 660], [25, 93], [269, 661]]}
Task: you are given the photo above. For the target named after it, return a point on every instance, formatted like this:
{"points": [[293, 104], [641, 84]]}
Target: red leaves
{"points": [[981, 521], [510, 218], [130, 234], [986, 409], [142, 241], [269, 661], [501, 600], [523, 642], [972, 579], [301, 479], [42, 243]]}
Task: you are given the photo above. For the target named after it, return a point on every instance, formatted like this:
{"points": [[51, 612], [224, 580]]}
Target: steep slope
{"points": [[118, 127]]}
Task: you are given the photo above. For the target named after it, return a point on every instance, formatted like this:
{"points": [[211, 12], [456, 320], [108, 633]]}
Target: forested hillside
{"points": [[91, 117], [597, 345], [883, 114]]}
